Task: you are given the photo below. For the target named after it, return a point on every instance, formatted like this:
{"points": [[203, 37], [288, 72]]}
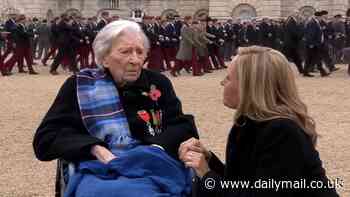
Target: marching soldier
{"points": [[164, 40], [178, 25], [10, 26], [314, 39], [82, 41], [292, 38], [279, 41], [339, 31], [236, 27], [155, 57], [3, 69], [43, 39], [91, 29], [184, 54], [172, 42], [328, 33], [32, 28], [104, 20], [252, 34], [229, 39], [64, 43], [54, 34], [22, 51], [215, 44], [268, 33], [202, 41]]}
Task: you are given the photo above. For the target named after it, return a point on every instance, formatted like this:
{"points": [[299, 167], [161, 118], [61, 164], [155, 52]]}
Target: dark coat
{"points": [[64, 33], [44, 34], [313, 33], [268, 34], [22, 35], [62, 133], [172, 34], [277, 149], [293, 33], [187, 42], [10, 26], [101, 24], [253, 35]]}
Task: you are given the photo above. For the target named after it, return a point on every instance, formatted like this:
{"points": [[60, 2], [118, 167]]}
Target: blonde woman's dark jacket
{"points": [[275, 150]]}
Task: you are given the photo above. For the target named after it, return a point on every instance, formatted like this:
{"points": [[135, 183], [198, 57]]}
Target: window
{"points": [[113, 4]]}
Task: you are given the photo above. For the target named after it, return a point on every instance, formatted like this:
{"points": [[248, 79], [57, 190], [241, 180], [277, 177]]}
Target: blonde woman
{"points": [[273, 138]]}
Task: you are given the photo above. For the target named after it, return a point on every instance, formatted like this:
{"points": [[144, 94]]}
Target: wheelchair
{"points": [[64, 169]]}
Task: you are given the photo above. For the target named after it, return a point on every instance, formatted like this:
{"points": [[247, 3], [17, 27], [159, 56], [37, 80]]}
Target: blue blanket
{"points": [[145, 171]]}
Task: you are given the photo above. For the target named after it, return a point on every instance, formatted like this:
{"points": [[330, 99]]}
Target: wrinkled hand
{"points": [[197, 161], [195, 155], [102, 154]]}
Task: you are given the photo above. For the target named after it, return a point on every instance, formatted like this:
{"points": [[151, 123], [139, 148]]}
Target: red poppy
{"points": [[144, 115], [155, 94]]}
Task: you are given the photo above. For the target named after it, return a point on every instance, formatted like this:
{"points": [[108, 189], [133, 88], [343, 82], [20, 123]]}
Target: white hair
{"points": [[105, 38]]}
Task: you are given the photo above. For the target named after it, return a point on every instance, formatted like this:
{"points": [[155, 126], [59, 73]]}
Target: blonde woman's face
{"points": [[125, 60], [231, 91]]}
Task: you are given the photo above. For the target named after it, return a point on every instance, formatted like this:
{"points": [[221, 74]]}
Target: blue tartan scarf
{"points": [[101, 109]]}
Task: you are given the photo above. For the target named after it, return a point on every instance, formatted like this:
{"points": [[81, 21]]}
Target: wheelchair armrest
{"points": [[63, 171]]}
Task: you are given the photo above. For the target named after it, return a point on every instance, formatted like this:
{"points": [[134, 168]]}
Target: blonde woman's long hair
{"points": [[268, 90]]}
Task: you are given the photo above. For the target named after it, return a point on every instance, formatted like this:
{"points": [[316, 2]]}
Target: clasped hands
{"points": [[195, 155]]}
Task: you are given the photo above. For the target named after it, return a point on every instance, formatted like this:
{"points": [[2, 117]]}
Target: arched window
{"points": [[244, 11], [307, 11], [169, 13], [201, 14], [73, 12]]}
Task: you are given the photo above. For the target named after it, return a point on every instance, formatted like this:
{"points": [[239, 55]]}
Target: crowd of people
{"points": [[177, 43]]}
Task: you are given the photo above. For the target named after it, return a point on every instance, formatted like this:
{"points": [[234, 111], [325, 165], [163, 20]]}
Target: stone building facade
{"points": [[221, 9]]}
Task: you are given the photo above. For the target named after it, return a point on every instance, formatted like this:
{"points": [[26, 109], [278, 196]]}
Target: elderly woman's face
{"points": [[126, 58], [231, 90]]}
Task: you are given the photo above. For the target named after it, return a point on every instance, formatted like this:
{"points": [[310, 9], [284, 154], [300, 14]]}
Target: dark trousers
{"points": [[9, 64], [62, 52], [9, 48], [91, 51], [83, 59], [228, 48], [196, 67], [180, 64], [169, 54], [325, 56], [43, 47], [21, 53], [205, 62], [293, 55], [52, 52], [313, 56], [155, 58], [2, 66], [25, 54], [215, 56]]}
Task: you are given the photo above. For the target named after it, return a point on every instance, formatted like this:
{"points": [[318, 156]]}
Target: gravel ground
{"points": [[25, 99]]}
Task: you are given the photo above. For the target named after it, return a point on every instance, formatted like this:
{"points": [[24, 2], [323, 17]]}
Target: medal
{"points": [[143, 114]]}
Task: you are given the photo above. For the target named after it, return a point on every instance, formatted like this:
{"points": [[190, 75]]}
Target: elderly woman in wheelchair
{"points": [[120, 125]]}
